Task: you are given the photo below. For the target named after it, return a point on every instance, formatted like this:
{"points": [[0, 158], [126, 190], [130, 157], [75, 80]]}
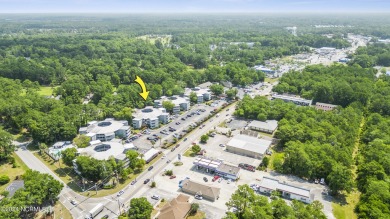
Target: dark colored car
{"points": [[150, 168], [205, 179], [146, 181], [133, 182]]}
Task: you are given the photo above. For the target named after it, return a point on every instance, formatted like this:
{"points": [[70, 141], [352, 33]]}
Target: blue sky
{"points": [[185, 6]]}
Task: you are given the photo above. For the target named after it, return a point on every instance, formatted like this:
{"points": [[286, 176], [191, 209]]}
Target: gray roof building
{"points": [[248, 146], [268, 126]]}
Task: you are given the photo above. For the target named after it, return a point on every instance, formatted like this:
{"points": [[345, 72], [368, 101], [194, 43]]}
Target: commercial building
{"points": [[194, 188], [106, 130], [264, 69], [228, 171], [296, 100], [269, 126], [248, 146], [325, 106], [150, 155], [181, 103], [267, 185], [55, 151], [177, 208], [150, 117], [202, 94], [218, 167]]}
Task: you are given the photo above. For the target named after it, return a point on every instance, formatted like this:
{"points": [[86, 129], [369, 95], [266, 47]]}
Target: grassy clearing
{"points": [[198, 215], [223, 124], [46, 91], [165, 39], [346, 211], [60, 211], [7, 169], [274, 155], [271, 80]]}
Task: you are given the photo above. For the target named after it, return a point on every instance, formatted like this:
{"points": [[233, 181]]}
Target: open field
{"points": [[165, 39], [271, 80], [346, 211]]}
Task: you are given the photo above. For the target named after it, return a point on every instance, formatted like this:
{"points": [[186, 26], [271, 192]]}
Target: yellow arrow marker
{"points": [[144, 94]]}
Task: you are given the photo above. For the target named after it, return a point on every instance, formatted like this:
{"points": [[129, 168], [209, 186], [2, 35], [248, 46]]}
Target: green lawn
{"points": [[272, 158], [6, 169], [271, 80], [46, 91], [189, 153], [346, 211]]}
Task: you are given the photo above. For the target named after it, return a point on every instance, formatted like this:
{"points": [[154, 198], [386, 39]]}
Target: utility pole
{"points": [[119, 205], [96, 188]]}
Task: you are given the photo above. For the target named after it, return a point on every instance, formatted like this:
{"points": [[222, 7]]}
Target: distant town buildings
{"points": [[269, 126], [264, 69], [150, 117], [294, 99], [325, 106], [106, 130]]}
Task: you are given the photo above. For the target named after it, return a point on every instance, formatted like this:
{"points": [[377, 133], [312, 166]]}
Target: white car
{"points": [[155, 197], [73, 202], [220, 180], [120, 193], [229, 181], [199, 197]]}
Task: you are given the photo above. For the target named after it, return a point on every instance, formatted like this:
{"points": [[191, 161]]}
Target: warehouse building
{"points": [[269, 126], [268, 185], [294, 99], [248, 146], [216, 166]]}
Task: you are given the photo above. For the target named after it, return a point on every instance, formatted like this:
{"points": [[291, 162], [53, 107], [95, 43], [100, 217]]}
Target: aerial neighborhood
{"points": [[193, 116]]}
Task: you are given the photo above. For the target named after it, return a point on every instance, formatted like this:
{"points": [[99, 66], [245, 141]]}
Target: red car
{"points": [[172, 177], [215, 178]]}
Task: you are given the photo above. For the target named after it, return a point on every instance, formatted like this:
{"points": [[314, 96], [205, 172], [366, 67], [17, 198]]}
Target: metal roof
{"points": [[275, 184], [268, 124], [249, 143]]}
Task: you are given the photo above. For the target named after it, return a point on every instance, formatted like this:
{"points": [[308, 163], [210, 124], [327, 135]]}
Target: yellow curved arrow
{"points": [[144, 94]]}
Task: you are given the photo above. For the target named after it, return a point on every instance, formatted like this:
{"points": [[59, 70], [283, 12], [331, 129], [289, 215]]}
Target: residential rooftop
{"points": [[103, 151], [107, 126], [200, 189], [149, 113]]}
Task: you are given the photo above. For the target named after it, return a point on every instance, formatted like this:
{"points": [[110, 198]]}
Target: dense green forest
{"points": [[359, 90], [317, 144]]}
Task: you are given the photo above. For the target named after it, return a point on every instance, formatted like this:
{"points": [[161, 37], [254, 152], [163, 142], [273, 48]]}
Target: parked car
{"points": [[172, 177], [185, 139], [322, 181], [221, 145], [229, 181], [205, 179], [133, 182], [215, 178], [199, 197], [316, 181], [168, 161], [150, 168], [155, 197], [183, 119], [146, 181], [220, 180], [105, 216]]}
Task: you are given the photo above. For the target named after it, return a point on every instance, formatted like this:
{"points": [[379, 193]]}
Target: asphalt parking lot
{"points": [[143, 144]]}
